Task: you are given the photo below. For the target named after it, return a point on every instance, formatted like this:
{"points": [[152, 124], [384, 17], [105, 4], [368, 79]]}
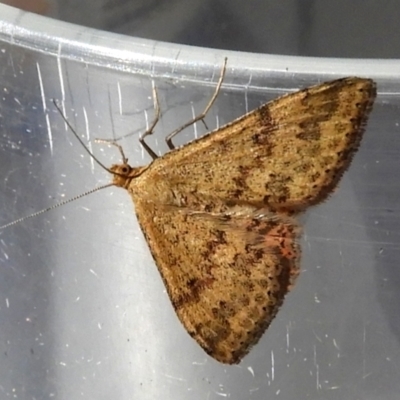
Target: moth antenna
{"points": [[71, 128], [125, 160], [17, 221]]}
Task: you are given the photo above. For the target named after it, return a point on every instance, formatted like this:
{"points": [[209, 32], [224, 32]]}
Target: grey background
{"points": [[341, 28], [83, 311]]}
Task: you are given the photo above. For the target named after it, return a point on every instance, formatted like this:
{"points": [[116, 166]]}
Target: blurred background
{"points": [[321, 28]]}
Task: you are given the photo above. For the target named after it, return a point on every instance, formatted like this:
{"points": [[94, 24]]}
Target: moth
{"points": [[219, 214]]}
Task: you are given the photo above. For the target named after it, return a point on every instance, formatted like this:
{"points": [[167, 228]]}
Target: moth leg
{"points": [[149, 130], [201, 116]]}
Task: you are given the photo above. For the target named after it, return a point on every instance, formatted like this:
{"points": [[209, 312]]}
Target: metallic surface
{"points": [[83, 311]]}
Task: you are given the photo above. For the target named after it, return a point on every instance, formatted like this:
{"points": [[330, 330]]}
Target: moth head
{"points": [[124, 173]]}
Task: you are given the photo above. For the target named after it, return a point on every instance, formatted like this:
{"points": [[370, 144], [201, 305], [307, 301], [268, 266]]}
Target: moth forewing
{"points": [[215, 212]]}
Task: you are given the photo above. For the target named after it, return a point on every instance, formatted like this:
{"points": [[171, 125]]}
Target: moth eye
{"points": [[124, 170]]}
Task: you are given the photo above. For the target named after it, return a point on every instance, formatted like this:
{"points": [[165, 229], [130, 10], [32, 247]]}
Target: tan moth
{"points": [[219, 214]]}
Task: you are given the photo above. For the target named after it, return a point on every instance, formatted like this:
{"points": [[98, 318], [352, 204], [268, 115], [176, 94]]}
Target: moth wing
{"points": [[288, 154], [226, 274]]}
